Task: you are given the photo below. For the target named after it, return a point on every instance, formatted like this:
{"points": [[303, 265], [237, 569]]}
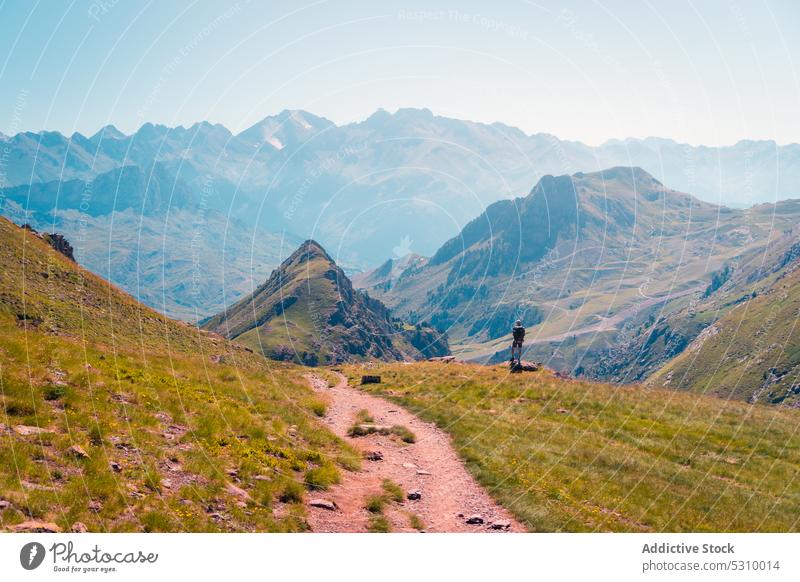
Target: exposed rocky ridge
{"points": [[55, 240]]}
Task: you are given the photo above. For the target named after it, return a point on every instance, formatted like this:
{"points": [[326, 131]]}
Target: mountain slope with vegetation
{"points": [[589, 262], [308, 311], [426, 175], [579, 456], [759, 279], [751, 352], [114, 418]]}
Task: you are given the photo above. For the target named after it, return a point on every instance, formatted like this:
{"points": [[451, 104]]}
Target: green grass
{"points": [[379, 524], [751, 353], [416, 522], [363, 416], [176, 409], [404, 433], [393, 491], [321, 478], [362, 426], [579, 456]]}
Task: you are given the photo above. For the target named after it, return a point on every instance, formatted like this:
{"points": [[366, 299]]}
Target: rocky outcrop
{"points": [[55, 240]]}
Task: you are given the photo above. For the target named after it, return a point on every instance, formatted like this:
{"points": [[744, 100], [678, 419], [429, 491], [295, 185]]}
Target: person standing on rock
{"points": [[519, 336]]}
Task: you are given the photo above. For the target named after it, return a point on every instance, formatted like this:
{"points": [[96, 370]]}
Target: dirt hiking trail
{"points": [[449, 495]]}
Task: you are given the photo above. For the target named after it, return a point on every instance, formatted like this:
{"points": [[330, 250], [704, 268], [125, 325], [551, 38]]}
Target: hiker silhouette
{"points": [[519, 336]]}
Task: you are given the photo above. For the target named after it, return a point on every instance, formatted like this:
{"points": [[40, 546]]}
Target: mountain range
{"points": [[612, 272], [408, 180]]}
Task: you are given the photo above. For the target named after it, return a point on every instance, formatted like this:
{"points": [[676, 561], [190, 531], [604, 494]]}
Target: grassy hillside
{"points": [[576, 456], [175, 429], [751, 353]]}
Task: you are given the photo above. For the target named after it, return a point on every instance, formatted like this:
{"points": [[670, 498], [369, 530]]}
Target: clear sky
{"points": [[710, 72]]}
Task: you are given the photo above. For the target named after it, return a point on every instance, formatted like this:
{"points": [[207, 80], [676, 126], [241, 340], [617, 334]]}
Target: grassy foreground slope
{"points": [[116, 418], [577, 456]]}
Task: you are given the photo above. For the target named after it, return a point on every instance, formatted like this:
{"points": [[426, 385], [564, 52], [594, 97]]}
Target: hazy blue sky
{"points": [[710, 72]]}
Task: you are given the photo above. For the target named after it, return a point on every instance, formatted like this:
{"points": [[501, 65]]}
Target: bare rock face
{"points": [[61, 244], [55, 240]]}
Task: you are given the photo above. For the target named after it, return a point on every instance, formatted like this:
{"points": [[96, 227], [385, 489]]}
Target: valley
{"points": [[386, 186], [593, 264], [115, 418]]}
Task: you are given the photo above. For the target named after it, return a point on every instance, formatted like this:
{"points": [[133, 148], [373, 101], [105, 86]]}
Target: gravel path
{"points": [[449, 494]]}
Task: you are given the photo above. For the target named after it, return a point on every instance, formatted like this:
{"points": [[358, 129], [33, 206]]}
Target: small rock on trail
{"points": [[323, 504]]}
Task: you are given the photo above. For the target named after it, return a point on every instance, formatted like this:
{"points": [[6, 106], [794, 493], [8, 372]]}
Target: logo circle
{"points": [[31, 555]]}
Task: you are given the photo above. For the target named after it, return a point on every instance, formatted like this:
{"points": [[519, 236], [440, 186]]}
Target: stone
{"points": [[95, 506], [523, 366], [237, 492], [78, 452], [370, 379], [24, 430], [35, 526], [5, 504], [443, 359], [323, 504], [409, 466], [79, 527], [115, 466], [374, 456], [562, 411], [501, 524], [414, 495], [422, 472], [475, 520], [59, 243]]}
